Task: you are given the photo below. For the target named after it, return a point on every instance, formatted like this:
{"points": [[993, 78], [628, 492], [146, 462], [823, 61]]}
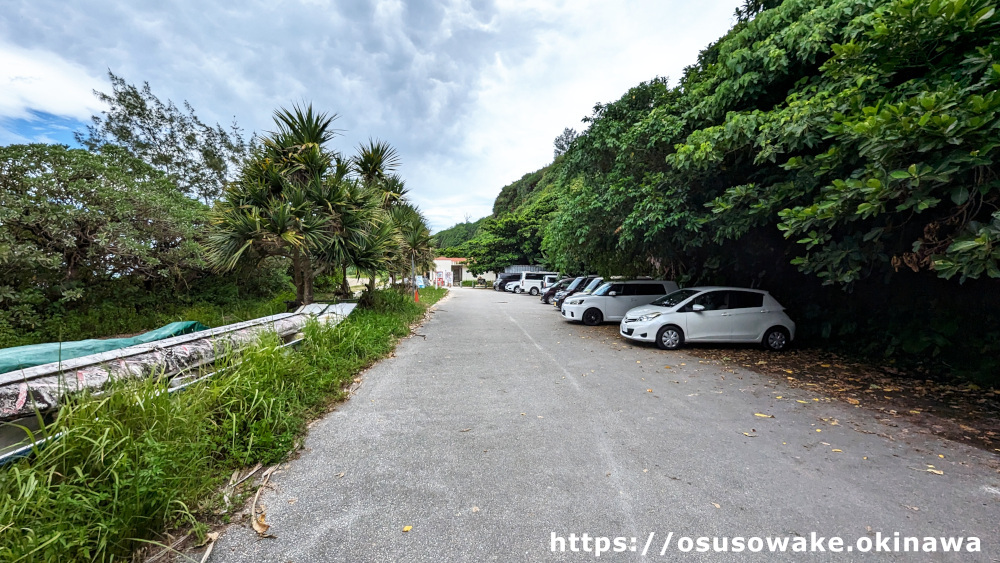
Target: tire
{"points": [[775, 339], [669, 337], [534, 292], [518, 290], [545, 299], [592, 317]]}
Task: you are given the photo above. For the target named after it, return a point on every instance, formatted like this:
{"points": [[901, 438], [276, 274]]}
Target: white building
{"points": [[450, 272]]}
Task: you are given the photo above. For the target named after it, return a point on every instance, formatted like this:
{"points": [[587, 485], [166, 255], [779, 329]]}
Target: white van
{"points": [[613, 299], [533, 282]]}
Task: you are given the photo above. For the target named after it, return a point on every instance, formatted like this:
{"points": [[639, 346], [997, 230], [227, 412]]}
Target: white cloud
{"points": [[43, 81]]}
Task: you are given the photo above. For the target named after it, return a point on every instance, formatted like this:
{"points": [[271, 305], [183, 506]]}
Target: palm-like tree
{"points": [[281, 203]]}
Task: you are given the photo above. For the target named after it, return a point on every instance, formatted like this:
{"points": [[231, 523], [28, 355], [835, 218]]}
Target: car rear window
{"points": [[745, 299]]}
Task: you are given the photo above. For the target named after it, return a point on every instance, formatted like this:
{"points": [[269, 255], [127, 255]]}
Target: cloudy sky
{"points": [[471, 93]]}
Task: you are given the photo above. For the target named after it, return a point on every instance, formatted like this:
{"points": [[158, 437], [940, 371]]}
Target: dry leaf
{"points": [[465, 430], [853, 401], [649, 390], [260, 526], [763, 415], [801, 401], [779, 397], [716, 505], [407, 528], [935, 471], [293, 500], [748, 435], [837, 450]]}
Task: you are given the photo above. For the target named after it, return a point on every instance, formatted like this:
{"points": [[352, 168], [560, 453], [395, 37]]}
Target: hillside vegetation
{"points": [[840, 153]]}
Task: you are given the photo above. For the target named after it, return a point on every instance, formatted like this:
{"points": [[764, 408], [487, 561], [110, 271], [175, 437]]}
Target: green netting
{"points": [[22, 357]]}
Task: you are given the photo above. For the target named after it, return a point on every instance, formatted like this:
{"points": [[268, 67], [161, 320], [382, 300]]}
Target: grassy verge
{"points": [[136, 461], [112, 319]]}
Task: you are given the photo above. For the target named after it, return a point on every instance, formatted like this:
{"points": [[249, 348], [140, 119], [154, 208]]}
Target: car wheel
{"points": [[534, 291], [517, 289], [776, 339], [545, 299], [669, 338], [592, 317]]}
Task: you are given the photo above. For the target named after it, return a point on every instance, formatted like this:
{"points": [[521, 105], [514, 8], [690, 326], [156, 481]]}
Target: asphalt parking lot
{"points": [[499, 432]]}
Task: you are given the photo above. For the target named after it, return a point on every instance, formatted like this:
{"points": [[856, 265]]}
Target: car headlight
{"points": [[575, 302], [648, 317]]}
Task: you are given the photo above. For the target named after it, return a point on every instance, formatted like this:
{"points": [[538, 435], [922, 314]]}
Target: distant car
{"points": [[512, 286], [503, 279], [583, 284], [550, 291], [613, 299], [711, 314], [532, 282]]}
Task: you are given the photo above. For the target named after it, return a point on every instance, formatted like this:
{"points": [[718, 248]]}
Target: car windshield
{"points": [[675, 298], [575, 283], [603, 290], [593, 285]]}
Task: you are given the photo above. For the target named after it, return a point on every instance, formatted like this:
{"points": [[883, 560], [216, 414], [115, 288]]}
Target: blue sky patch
{"points": [[42, 127]]}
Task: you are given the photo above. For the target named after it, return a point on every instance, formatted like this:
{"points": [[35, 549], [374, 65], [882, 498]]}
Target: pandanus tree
{"points": [[288, 201]]}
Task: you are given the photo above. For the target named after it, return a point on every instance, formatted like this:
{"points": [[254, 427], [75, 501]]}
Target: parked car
{"points": [[502, 280], [554, 288], [512, 286], [532, 282], [613, 299], [711, 314], [580, 285]]}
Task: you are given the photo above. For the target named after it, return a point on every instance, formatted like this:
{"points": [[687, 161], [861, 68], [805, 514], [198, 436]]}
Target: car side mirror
{"points": [[697, 308], [612, 293]]}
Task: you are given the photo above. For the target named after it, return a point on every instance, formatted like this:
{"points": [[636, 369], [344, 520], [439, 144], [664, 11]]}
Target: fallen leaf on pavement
{"points": [[465, 430], [407, 528], [763, 415], [935, 471], [716, 505]]}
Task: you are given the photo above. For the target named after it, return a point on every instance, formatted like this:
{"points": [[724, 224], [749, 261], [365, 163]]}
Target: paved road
{"points": [[506, 425]]}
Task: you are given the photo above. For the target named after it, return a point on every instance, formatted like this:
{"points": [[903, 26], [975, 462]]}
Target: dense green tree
{"points": [[565, 139], [72, 220]]}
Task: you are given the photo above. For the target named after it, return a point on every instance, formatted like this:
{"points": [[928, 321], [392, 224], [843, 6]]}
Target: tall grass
{"points": [[136, 461]]}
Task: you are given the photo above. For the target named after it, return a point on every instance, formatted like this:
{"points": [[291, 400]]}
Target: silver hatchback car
{"points": [[710, 314]]}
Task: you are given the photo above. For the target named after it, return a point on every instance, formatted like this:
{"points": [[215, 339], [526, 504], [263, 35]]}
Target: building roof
{"points": [[459, 260]]}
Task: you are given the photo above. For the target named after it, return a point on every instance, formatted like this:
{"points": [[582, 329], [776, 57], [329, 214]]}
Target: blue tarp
{"points": [[22, 357]]}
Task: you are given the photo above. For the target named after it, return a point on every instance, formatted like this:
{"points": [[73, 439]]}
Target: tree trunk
{"points": [[345, 287], [307, 285], [297, 276]]}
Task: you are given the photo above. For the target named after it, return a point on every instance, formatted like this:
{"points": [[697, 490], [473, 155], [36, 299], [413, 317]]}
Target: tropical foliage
{"points": [[296, 198], [73, 222]]}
